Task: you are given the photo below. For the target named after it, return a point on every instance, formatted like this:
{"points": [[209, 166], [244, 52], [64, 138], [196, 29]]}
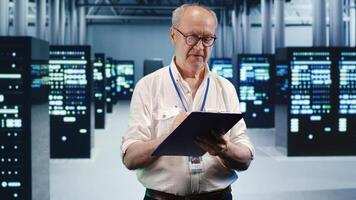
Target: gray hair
{"points": [[178, 12]]}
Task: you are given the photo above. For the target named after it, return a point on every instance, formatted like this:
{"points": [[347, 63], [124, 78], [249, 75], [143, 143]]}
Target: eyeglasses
{"points": [[192, 40]]}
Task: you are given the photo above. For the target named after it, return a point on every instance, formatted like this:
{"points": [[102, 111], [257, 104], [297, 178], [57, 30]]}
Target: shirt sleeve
{"points": [[238, 132], [140, 117]]}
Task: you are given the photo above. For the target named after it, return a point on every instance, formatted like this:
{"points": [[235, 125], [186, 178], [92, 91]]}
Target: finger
{"points": [[210, 141], [213, 148], [205, 143], [183, 114], [213, 139], [219, 138], [206, 148], [219, 147], [179, 119]]}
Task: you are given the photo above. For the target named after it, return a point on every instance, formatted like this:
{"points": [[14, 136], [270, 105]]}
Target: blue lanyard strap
{"points": [[180, 96], [176, 87], [205, 95]]}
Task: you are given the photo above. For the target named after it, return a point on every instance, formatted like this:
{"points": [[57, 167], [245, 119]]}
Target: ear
{"points": [[172, 36]]}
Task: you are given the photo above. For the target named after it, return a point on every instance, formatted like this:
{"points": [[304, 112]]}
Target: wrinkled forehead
{"points": [[198, 20]]}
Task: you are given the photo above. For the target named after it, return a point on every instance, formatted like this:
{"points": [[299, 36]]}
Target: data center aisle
{"points": [[271, 176], [103, 176]]}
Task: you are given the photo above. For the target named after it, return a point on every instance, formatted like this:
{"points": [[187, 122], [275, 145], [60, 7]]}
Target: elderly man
{"points": [[163, 99]]}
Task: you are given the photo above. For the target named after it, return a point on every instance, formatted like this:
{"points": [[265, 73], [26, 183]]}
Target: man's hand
{"points": [[138, 154], [235, 156], [179, 119], [214, 143]]}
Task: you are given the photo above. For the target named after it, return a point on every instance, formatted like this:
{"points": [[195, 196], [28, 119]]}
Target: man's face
{"points": [[195, 21]]}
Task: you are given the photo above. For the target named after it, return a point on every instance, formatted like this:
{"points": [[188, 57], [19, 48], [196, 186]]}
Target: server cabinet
{"points": [[113, 87], [71, 120], [346, 96], [40, 82], [311, 107], [223, 67], [281, 78], [24, 127], [321, 109], [255, 89], [108, 88], [99, 90], [125, 79]]}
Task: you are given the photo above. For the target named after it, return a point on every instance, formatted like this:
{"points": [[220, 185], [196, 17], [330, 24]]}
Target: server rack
{"points": [[281, 78], [321, 104], [40, 81], [346, 97], [71, 117], [312, 104], [99, 90], [24, 127], [125, 80], [113, 79], [223, 67], [108, 88], [255, 89]]}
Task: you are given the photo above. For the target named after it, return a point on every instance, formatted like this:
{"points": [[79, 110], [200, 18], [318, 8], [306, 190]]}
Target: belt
{"points": [[216, 195]]}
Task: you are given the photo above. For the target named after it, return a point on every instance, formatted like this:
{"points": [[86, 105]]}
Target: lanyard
{"points": [[180, 96]]}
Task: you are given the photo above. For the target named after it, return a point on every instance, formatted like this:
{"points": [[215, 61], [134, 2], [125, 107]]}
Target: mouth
{"points": [[196, 55]]}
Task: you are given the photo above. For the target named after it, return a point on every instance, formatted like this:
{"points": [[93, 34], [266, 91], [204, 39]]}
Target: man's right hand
{"points": [[138, 154], [179, 119]]}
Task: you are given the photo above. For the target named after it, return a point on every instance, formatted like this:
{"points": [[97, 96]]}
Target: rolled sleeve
{"points": [[139, 125], [238, 133]]}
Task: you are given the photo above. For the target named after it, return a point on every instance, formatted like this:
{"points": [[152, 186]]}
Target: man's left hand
{"points": [[214, 143]]}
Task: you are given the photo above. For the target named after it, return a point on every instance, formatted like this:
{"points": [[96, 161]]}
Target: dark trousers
{"points": [[226, 196]]}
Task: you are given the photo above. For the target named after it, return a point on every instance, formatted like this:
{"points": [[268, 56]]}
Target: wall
{"points": [[132, 42], [140, 41]]}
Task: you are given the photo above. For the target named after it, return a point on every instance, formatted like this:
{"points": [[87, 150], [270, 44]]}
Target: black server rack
{"points": [[113, 82], [71, 118], [255, 89], [125, 79], [108, 88], [346, 116], [40, 82], [321, 106], [310, 111], [151, 65], [223, 67], [24, 127], [281, 78], [281, 83], [99, 90]]}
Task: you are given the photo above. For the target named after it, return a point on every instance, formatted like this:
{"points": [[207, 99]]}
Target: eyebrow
{"points": [[204, 35]]}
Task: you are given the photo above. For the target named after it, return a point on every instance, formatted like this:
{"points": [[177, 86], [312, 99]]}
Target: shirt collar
{"points": [[179, 77]]}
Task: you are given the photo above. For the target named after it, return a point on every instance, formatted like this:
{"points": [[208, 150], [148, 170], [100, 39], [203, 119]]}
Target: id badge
{"points": [[195, 164]]}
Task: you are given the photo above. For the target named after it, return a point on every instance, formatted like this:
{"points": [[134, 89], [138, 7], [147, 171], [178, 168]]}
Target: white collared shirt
{"points": [[155, 104]]}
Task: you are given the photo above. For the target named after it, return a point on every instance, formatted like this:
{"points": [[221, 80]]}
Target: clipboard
{"points": [[181, 141]]}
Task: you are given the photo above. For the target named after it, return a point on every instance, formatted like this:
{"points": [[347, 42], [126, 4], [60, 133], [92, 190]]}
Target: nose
{"points": [[199, 45]]}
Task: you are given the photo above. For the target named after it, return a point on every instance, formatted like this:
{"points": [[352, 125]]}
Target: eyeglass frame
{"points": [[200, 38]]}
